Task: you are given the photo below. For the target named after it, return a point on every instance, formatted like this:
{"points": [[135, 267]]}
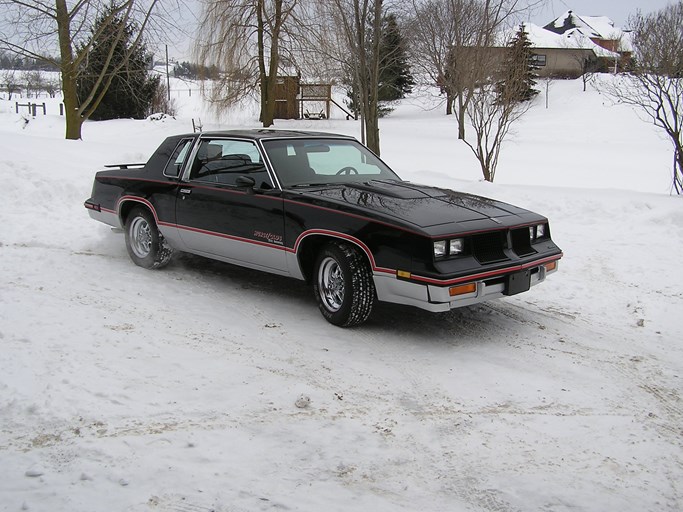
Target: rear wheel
{"points": [[146, 245], [343, 285]]}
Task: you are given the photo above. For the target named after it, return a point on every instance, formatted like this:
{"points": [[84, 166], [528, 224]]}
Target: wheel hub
{"points": [[141, 237], [331, 284]]}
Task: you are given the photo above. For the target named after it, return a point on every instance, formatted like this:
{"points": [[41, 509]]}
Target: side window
{"points": [[175, 163], [224, 160]]}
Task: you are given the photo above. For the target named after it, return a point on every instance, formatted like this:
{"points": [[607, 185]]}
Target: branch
{"points": [[25, 52], [40, 7]]}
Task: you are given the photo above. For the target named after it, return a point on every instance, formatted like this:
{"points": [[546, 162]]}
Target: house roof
{"points": [[593, 27], [541, 37], [600, 27]]}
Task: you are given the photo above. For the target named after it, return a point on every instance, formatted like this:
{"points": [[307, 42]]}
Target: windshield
{"points": [[303, 162]]}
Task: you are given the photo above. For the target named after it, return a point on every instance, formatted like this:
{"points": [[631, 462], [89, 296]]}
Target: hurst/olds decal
{"points": [[269, 237]]}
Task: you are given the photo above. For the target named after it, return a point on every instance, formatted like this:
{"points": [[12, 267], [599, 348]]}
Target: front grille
{"points": [[488, 247], [521, 242]]}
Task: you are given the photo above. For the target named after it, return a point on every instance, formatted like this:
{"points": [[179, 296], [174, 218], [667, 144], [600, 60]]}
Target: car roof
{"points": [[267, 133]]}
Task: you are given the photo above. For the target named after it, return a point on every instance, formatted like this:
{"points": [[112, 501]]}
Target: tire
{"points": [[146, 246], [343, 285]]}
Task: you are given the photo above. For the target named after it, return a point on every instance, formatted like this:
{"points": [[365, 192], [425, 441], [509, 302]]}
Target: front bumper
{"points": [[438, 299]]}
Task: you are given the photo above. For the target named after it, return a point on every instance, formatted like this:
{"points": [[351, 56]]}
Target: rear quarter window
{"points": [[178, 157]]}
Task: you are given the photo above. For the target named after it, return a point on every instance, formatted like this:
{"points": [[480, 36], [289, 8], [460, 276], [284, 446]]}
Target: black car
{"points": [[322, 208]]}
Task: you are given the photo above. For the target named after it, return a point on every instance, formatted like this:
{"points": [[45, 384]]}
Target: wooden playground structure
{"points": [[294, 100]]}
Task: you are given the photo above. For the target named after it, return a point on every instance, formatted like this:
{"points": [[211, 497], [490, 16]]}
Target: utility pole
{"points": [[168, 80]]}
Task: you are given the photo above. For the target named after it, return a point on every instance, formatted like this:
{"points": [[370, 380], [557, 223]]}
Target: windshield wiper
{"points": [[306, 185]]}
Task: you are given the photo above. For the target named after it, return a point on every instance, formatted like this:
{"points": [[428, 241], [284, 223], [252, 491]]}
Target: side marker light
{"points": [[462, 289]]}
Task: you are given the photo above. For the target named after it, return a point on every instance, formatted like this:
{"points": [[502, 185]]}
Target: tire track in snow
{"points": [[642, 372]]}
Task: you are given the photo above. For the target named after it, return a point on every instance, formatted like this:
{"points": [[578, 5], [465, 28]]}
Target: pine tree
{"points": [[395, 80], [131, 91], [518, 71]]}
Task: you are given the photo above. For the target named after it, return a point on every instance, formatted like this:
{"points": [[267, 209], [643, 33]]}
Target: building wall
{"points": [[562, 62], [552, 62]]}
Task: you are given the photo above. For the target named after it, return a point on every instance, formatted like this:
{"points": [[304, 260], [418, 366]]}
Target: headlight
{"points": [[445, 248], [456, 246], [537, 232]]}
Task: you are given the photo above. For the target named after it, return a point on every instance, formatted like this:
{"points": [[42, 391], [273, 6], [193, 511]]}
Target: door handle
{"points": [[185, 190]]}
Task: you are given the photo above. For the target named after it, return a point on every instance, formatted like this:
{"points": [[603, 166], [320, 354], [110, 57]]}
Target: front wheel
{"points": [[343, 285], [146, 245]]}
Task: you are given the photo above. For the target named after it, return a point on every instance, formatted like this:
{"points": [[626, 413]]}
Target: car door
{"points": [[223, 214]]}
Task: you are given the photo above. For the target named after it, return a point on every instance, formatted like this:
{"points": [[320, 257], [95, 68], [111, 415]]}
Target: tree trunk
{"points": [[461, 118], [68, 72], [485, 171], [372, 129], [268, 102], [449, 103], [266, 116], [678, 167], [372, 121], [74, 121]]}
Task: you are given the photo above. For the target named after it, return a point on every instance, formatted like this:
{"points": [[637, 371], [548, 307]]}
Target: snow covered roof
{"points": [[600, 27], [573, 39]]}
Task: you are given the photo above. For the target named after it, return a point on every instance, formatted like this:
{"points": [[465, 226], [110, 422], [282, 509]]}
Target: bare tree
{"points": [[33, 28], [496, 104], [546, 83], [654, 84], [453, 41], [9, 82], [583, 52], [162, 103], [243, 38], [441, 30], [33, 81], [491, 117], [348, 34], [51, 87], [590, 66]]}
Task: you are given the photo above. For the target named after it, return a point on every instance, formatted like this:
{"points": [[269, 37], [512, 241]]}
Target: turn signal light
{"points": [[462, 289], [549, 267]]}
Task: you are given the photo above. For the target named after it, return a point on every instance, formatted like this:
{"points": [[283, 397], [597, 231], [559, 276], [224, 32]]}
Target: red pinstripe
{"points": [[344, 236]]}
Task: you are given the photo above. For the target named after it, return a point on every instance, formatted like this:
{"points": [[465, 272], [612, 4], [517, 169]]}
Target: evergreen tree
{"points": [[395, 80], [193, 71], [518, 71], [185, 70], [131, 91]]}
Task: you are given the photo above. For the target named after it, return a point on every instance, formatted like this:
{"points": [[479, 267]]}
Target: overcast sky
{"points": [[617, 10]]}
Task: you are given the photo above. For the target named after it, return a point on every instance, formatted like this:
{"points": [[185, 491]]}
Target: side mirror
{"points": [[246, 182]]}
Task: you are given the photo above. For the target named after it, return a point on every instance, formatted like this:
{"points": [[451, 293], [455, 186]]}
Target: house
{"points": [[567, 47], [600, 30], [567, 54]]}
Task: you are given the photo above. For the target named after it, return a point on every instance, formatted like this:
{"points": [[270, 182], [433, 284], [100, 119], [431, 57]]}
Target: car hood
{"points": [[422, 205]]}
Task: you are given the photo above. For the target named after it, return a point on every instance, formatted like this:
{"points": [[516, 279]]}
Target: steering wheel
{"points": [[347, 170]]}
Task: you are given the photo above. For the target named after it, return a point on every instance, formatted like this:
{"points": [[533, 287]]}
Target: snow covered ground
{"points": [[123, 389]]}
